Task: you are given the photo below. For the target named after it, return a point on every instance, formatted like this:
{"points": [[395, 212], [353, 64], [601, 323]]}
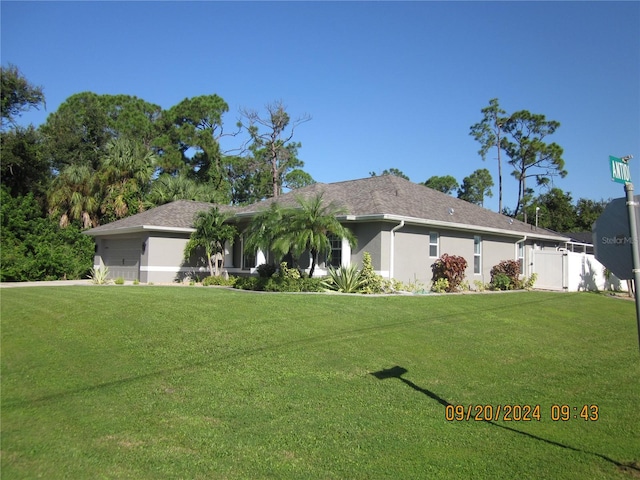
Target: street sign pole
{"points": [[635, 249]]}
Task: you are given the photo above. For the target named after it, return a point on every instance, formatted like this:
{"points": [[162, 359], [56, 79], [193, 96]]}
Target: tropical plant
{"points": [[99, 276], [267, 231], [310, 227], [450, 267], [75, 196], [168, 188], [126, 171], [345, 279], [211, 233]]}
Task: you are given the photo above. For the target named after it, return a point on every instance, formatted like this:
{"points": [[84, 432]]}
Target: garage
{"points": [[122, 257]]}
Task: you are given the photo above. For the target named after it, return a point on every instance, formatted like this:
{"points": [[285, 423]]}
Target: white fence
{"points": [[571, 272]]}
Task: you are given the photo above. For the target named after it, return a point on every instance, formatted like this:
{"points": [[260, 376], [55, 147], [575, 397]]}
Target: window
{"points": [[248, 258], [477, 254], [521, 256], [335, 256], [433, 244]]}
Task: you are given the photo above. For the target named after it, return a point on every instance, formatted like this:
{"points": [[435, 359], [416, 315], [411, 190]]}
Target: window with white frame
{"points": [[335, 256], [477, 254], [434, 244], [521, 256]]}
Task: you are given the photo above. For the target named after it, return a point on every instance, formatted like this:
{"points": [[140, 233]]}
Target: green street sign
{"points": [[620, 171]]}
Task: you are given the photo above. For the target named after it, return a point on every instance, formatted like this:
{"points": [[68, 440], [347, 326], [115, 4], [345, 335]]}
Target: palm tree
{"points": [[126, 172], [311, 225], [168, 188], [211, 234], [75, 195], [267, 231]]}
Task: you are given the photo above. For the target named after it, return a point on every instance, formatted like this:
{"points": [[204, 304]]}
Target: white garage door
{"points": [[122, 256]]}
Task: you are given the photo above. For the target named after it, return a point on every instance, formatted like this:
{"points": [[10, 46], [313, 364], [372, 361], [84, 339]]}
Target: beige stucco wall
{"points": [[163, 261], [413, 263]]}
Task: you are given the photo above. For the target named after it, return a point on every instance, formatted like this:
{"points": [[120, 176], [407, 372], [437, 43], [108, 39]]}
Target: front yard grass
{"points": [[171, 382]]}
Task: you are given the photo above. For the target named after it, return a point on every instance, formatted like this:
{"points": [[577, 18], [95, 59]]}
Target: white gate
{"points": [[551, 266]]}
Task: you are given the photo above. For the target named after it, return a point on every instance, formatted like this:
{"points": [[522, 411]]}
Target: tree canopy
{"points": [[488, 133], [17, 95], [445, 184], [530, 155], [305, 227], [522, 136], [476, 186], [272, 145], [391, 171]]}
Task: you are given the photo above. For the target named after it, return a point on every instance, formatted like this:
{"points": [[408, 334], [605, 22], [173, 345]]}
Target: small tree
{"points": [[476, 186], [211, 234], [451, 268], [311, 225]]}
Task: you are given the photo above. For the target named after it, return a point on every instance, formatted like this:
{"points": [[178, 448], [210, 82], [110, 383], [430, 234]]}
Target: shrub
{"points": [[529, 282], [98, 276], [480, 286], [501, 281], [279, 283], [441, 285], [219, 280], [249, 283], [510, 268], [266, 270], [371, 282], [451, 268], [136, 282], [312, 285], [35, 247], [119, 281], [286, 272], [344, 279]]}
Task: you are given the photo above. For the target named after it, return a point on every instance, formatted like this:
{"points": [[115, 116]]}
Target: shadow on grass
{"points": [[398, 372]]}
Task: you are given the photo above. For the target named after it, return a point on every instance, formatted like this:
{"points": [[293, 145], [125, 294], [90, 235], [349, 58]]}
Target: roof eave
{"points": [[451, 226], [139, 229]]}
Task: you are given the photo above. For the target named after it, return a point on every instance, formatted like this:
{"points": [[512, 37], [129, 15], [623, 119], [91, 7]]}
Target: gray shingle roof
{"points": [[396, 197], [175, 215], [386, 197]]}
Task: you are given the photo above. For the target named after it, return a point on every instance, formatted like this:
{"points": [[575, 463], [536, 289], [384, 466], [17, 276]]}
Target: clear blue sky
{"points": [[388, 84]]}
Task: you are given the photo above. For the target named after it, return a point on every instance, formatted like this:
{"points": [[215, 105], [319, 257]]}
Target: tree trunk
{"points": [[210, 264], [499, 175], [314, 256]]}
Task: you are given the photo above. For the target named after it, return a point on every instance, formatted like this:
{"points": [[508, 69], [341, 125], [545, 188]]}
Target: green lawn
{"points": [[192, 382]]}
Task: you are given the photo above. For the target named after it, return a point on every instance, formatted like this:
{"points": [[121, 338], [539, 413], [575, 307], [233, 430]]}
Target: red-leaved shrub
{"points": [[451, 267]]}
